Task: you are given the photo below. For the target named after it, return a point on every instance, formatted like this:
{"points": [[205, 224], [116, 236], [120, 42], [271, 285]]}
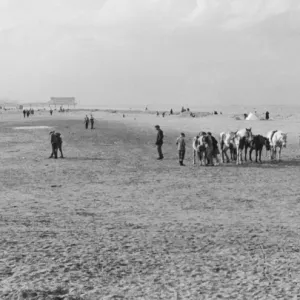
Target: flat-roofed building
{"points": [[62, 101]]}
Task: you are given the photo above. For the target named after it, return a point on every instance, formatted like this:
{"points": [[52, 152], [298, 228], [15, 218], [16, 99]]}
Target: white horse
{"points": [[242, 137], [235, 141], [277, 139], [199, 148], [227, 142]]}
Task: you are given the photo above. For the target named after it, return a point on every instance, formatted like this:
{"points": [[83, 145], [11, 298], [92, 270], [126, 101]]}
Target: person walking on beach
{"points": [[86, 121], [24, 113], [51, 111], [180, 142], [92, 122], [28, 113], [59, 144], [159, 142], [54, 144]]}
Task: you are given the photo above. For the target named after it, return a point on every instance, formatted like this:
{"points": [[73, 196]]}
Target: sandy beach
{"points": [[111, 222]]}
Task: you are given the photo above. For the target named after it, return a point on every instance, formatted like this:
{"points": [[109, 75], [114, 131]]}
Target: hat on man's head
{"points": [[182, 134], [157, 126], [209, 133], [51, 132]]}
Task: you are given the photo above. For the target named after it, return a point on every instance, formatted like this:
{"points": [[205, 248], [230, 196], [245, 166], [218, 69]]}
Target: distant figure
{"points": [[180, 142], [187, 109], [51, 111], [163, 114], [28, 113], [215, 112], [123, 116], [182, 109], [245, 116], [54, 144], [157, 113], [59, 144], [24, 112], [171, 111], [267, 115], [92, 121], [86, 122], [146, 108], [159, 142], [32, 111]]}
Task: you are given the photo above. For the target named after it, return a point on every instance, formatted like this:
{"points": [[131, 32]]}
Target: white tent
{"points": [[252, 117]]}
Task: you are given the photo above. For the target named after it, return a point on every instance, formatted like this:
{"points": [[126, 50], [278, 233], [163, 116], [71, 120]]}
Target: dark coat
{"points": [[54, 139], [159, 138]]}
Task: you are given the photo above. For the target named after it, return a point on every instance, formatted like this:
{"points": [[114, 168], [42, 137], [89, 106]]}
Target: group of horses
{"points": [[239, 142]]}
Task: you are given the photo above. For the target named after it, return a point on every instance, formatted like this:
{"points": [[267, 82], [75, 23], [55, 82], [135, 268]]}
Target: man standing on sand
{"points": [[159, 142], [267, 115], [180, 142], [24, 113], [92, 121], [86, 121], [209, 149], [216, 151]]}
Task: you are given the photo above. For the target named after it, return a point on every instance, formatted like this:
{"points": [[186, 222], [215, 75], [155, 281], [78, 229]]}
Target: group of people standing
{"points": [[211, 150], [88, 120], [56, 144], [28, 112]]}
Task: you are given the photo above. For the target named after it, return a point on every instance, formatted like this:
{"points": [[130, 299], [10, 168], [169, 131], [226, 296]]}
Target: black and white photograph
{"points": [[149, 149]]}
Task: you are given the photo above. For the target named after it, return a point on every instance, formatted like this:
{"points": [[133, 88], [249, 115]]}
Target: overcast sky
{"points": [[151, 51]]}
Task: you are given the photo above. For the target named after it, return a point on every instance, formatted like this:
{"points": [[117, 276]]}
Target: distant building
{"points": [[9, 106], [60, 101]]}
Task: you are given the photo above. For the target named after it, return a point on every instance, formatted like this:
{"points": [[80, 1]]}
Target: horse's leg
{"points": [[238, 152], [227, 157], [224, 154], [246, 148], [260, 150], [200, 157], [250, 154], [194, 156], [279, 154]]}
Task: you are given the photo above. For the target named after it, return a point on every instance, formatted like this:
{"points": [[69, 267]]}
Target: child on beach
{"points": [[180, 142]]}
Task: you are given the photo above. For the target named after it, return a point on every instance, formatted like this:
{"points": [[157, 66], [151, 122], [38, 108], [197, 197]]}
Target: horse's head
{"points": [[284, 139], [249, 135]]}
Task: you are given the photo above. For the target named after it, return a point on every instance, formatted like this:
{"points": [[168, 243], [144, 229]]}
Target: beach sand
{"points": [[111, 222]]}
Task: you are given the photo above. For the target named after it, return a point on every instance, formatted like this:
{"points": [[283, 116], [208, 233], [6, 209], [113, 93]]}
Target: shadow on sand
{"points": [[85, 158], [264, 164]]}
